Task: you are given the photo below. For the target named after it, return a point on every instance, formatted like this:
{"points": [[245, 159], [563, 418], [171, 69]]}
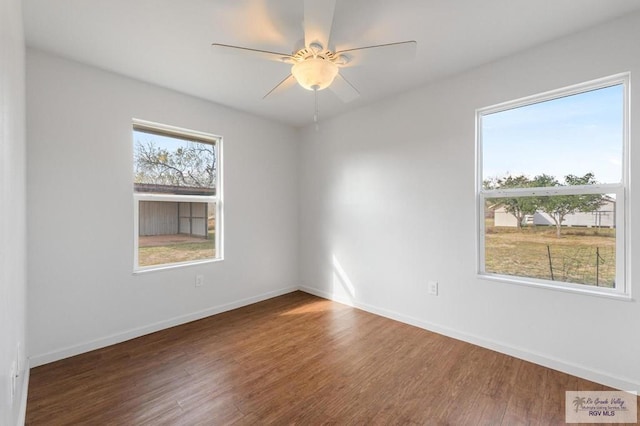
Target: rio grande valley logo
{"points": [[601, 407]]}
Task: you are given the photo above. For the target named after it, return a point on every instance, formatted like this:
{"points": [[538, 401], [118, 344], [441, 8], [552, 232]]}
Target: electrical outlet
{"points": [[199, 280], [432, 288]]}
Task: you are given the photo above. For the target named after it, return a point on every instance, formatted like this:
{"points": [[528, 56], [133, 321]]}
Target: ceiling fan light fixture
{"points": [[314, 73]]}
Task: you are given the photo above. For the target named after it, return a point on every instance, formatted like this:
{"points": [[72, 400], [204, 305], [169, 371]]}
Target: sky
{"points": [[575, 135]]}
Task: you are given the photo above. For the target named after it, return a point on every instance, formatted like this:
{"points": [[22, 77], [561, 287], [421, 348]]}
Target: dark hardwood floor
{"points": [[297, 359]]}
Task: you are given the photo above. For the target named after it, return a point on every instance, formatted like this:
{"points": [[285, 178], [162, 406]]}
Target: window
{"points": [[177, 197], [551, 187]]}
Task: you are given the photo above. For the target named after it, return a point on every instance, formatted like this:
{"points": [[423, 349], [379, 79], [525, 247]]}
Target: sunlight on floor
{"points": [[309, 308]]}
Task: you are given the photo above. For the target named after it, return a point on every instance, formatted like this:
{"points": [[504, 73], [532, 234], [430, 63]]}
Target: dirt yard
{"points": [[163, 240]]}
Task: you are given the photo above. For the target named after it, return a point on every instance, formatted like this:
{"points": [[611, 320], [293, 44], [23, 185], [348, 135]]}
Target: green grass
{"points": [[177, 252], [510, 251]]}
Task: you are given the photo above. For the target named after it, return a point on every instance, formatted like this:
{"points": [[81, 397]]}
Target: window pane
{"points": [[164, 164], [581, 250], [172, 232], [571, 135]]}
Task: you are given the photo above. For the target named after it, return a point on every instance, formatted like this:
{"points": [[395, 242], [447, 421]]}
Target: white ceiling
{"points": [[167, 42]]}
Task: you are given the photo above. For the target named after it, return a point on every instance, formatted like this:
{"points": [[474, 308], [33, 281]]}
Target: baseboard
{"points": [[520, 353], [524, 354], [41, 359], [22, 414]]}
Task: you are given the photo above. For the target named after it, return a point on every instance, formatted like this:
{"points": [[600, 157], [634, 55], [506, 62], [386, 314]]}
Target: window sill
{"points": [[164, 267], [565, 287]]}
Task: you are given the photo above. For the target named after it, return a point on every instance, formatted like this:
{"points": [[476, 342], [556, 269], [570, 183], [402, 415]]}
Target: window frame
{"points": [[217, 199], [622, 288]]}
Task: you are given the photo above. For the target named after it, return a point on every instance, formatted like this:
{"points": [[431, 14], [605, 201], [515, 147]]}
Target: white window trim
{"points": [[178, 132], [623, 280], [217, 199]]}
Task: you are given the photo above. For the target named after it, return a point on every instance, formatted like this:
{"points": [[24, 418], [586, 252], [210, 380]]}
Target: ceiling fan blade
{"points": [[392, 52], [285, 84], [264, 54], [318, 19], [343, 89]]}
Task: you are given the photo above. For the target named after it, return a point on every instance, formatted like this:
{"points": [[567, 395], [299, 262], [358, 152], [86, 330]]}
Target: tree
{"points": [[579, 402], [519, 207], [190, 165], [559, 206]]}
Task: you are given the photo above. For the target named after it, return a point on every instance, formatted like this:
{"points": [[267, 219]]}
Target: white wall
{"points": [[387, 203], [13, 276], [82, 293]]}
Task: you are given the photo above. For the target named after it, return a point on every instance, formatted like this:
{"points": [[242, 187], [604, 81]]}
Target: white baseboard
{"points": [[621, 383], [524, 354], [22, 414], [41, 359]]}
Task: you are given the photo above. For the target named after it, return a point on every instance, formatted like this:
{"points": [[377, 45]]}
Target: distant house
{"points": [[174, 217], [604, 217]]}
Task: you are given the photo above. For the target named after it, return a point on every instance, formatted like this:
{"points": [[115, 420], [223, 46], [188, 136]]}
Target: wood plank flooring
{"points": [[296, 359]]}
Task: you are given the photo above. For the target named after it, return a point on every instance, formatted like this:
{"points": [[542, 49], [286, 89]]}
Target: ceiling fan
{"points": [[316, 66]]}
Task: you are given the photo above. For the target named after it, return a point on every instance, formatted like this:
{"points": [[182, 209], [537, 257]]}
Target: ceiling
{"points": [[168, 42]]}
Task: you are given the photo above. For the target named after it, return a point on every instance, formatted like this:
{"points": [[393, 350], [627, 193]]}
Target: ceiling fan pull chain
{"points": [[316, 114]]}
